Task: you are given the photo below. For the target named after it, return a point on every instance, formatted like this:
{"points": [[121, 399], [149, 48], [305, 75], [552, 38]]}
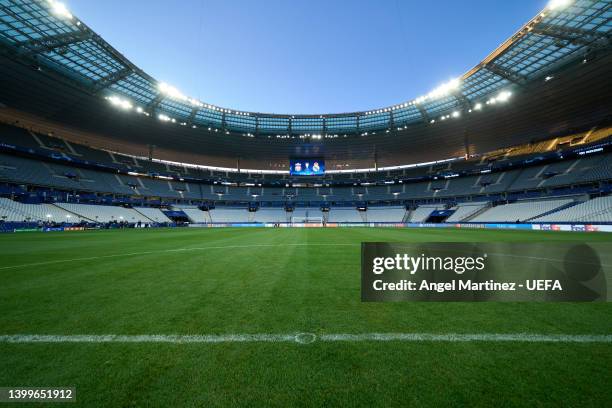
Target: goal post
{"points": [[307, 220]]}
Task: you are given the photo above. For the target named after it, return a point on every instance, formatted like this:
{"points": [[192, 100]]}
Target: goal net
{"points": [[307, 220]]}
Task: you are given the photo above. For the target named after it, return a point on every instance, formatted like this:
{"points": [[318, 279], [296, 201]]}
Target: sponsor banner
{"points": [[510, 226], [428, 225], [526, 227], [502, 271], [573, 227], [74, 228], [473, 226]]}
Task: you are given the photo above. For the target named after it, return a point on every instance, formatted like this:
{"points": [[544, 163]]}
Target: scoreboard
{"points": [[306, 167]]}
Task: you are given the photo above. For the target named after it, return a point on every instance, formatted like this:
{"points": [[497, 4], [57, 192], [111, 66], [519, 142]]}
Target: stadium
{"points": [[160, 250]]}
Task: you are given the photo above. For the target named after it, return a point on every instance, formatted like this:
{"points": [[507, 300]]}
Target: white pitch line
{"points": [[307, 338], [91, 258], [486, 337]]}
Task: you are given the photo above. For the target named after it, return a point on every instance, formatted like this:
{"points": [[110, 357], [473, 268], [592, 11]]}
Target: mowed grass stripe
{"points": [[157, 252], [258, 281]]}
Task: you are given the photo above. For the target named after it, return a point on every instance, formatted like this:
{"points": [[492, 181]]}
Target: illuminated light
{"points": [[503, 96], [444, 89], [420, 99], [558, 4], [478, 106], [195, 102], [49, 216], [164, 118], [456, 114], [432, 121], [139, 109], [171, 91], [119, 102], [441, 91], [548, 78], [58, 8]]}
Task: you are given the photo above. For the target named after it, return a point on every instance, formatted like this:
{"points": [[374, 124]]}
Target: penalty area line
{"points": [[307, 338]]}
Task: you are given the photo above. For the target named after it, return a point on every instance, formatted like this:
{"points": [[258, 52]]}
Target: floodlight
{"points": [[171, 91], [120, 102], [558, 4], [58, 8], [503, 96]]}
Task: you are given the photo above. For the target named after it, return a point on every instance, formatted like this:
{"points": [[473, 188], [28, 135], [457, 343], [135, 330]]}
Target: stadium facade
{"points": [[523, 137]]}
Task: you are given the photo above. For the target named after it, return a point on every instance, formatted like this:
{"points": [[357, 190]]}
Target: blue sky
{"points": [[305, 56]]}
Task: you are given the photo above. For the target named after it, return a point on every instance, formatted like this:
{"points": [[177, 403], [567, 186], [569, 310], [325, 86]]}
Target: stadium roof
{"points": [[44, 31], [56, 76]]}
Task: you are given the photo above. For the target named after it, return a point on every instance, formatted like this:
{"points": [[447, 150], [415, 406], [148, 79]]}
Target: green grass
{"points": [[276, 288]]}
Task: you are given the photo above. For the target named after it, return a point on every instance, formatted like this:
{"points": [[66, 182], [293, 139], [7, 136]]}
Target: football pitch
{"points": [[273, 317]]}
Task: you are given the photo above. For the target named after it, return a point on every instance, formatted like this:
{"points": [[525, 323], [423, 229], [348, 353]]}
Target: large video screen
{"points": [[306, 167]]}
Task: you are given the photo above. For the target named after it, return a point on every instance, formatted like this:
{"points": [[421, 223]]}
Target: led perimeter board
{"points": [[306, 167]]}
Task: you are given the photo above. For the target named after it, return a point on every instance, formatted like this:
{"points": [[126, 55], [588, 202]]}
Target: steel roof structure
{"points": [[36, 31]]}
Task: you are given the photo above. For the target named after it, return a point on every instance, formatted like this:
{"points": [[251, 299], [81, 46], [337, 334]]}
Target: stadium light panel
{"points": [[503, 96], [120, 102], [441, 91], [478, 106], [60, 9], [171, 91], [558, 4], [444, 89]]}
